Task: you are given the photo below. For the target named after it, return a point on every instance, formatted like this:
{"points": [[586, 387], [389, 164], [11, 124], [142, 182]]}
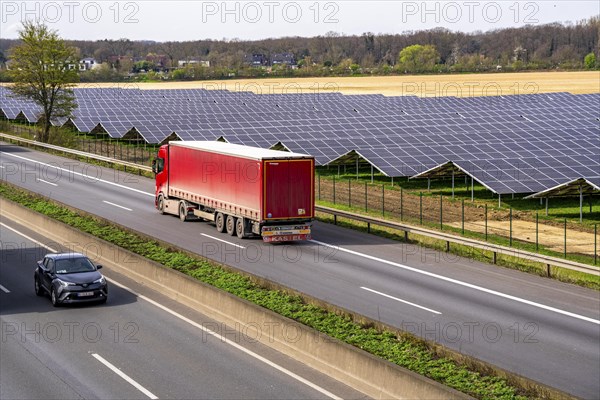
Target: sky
{"points": [[250, 20]]}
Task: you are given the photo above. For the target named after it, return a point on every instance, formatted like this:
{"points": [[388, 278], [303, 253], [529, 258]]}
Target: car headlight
{"points": [[101, 281], [65, 283]]}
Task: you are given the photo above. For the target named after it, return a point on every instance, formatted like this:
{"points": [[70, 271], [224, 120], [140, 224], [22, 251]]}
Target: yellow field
{"points": [[464, 85]]}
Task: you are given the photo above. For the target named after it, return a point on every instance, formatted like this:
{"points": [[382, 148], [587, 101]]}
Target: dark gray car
{"points": [[70, 278]]}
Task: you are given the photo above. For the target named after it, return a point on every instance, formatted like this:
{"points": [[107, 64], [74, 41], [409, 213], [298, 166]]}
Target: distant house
{"points": [[256, 60], [114, 61], [161, 62], [283, 59], [193, 61], [85, 64]]}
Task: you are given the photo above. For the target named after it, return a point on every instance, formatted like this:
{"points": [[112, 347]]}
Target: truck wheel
{"points": [[230, 225], [160, 204], [240, 228], [182, 211], [220, 222]]}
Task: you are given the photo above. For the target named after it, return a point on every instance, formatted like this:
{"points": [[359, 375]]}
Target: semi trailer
{"points": [[244, 190]]}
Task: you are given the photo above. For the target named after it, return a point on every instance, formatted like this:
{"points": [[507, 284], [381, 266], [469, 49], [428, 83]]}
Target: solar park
{"points": [[520, 144]]}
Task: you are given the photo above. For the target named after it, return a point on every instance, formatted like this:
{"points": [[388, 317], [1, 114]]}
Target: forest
{"points": [[533, 47]]}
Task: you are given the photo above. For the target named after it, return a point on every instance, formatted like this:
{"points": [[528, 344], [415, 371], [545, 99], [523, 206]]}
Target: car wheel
{"points": [[220, 222], [54, 298], [230, 225], [38, 288]]}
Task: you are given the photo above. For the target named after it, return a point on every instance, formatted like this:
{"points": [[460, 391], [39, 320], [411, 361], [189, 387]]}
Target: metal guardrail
{"points": [[494, 248], [448, 238], [76, 152]]}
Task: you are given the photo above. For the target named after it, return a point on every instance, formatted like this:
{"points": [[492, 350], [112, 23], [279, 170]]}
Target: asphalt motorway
{"points": [[131, 347], [539, 328]]}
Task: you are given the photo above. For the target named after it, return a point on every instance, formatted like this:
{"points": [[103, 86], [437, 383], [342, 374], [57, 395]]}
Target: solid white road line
{"points": [[5, 290], [197, 325], [461, 283], [400, 300], [49, 183], [116, 205], [239, 347], [80, 174], [28, 238], [124, 376], [224, 241]]}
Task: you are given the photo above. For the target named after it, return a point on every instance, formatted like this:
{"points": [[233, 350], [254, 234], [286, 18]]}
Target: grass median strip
{"points": [[404, 350]]}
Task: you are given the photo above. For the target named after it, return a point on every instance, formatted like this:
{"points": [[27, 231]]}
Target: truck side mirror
{"points": [[154, 166]]}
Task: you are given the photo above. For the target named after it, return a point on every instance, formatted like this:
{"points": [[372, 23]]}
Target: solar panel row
{"points": [[511, 144]]}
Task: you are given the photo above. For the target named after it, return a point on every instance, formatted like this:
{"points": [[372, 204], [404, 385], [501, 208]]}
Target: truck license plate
{"points": [[285, 238]]}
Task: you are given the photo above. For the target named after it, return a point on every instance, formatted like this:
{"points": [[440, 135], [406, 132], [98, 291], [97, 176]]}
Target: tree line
{"points": [[532, 47]]}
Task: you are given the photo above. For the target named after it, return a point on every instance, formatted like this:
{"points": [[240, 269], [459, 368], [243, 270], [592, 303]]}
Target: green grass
{"points": [[402, 349]]}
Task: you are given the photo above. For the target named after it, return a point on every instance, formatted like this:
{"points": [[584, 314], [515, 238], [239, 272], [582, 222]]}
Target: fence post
{"points": [[441, 213], [319, 184], [536, 232], [463, 215], [383, 200], [401, 205], [334, 189], [349, 194], [595, 243], [421, 207], [510, 227], [366, 199], [486, 224], [565, 253]]}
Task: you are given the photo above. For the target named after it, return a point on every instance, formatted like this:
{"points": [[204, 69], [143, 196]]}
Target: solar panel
{"points": [[543, 138]]}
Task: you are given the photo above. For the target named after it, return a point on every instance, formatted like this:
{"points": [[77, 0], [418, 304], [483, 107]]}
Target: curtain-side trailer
{"points": [[244, 190]]}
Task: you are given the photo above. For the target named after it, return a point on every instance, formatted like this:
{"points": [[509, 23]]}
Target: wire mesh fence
{"points": [[517, 229], [130, 150]]}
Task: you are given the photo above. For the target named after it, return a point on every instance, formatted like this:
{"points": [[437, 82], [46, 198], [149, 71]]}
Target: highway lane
{"points": [[552, 339], [128, 348]]}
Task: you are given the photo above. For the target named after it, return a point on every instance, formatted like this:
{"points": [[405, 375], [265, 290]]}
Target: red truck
{"points": [[244, 190]]}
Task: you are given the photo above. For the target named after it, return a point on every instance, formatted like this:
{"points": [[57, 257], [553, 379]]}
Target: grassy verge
{"points": [[404, 350]]}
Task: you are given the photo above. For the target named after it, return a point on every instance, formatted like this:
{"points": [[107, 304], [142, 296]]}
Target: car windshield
{"points": [[74, 265]]}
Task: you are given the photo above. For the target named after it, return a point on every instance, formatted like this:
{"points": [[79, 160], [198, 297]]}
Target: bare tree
{"points": [[44, 69]]}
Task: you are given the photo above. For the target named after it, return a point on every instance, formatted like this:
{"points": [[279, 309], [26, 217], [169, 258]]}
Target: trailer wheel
{"points": [[230, 225], [160, 204], [182, 211], [240, 228], [220, 222]]}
